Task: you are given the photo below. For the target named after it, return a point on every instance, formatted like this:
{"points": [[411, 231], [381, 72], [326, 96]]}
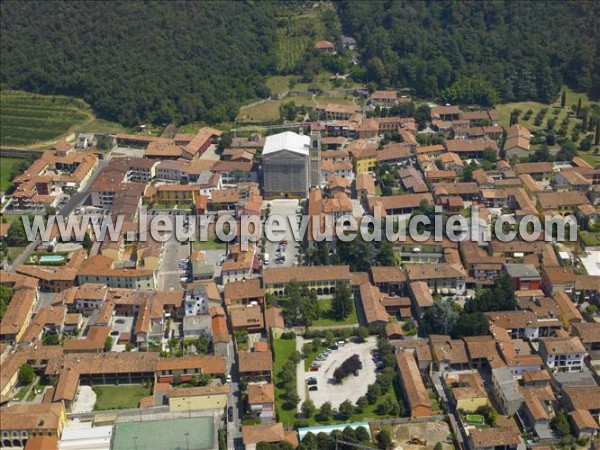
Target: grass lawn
{"points": [[327, 318], [210, 244], [119, 397], [27, 119], [590, 158], [269, 110], [13, 252], [103, 126], [20, 395], [7, 165], [590, 239], [278, 84], [32, 395], [283, 349]]}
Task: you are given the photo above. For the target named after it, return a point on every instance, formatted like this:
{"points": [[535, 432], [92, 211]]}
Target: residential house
{"points": [[384, 99], [447, 279], [558, 279], [448, 354], [563, 354], [255, 366], [268, 433], [466, 390], [261, 400]]}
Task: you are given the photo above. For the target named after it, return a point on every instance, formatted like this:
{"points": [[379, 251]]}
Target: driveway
{"points": [[285, 208], [352, 387]]}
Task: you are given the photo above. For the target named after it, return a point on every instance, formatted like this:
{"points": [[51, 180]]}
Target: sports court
{"points": [[197, 433]]}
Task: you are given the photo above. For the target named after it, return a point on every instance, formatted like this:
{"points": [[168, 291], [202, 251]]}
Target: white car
{"points": [[229, 378]]}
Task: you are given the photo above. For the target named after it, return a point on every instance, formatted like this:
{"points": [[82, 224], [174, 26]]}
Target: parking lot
{"points": [[285, 208], [352, 387]]}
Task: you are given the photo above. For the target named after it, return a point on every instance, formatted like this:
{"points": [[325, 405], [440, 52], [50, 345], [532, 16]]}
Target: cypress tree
{"points": [[563, 99], [597, 137], [578, 110]]}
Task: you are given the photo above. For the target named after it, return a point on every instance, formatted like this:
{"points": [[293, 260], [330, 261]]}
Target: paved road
{"points": [[300, 374], [169, 273], [234, 435]]}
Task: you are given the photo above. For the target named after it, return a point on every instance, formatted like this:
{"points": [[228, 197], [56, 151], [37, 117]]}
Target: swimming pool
{"points": [[51, 259]]}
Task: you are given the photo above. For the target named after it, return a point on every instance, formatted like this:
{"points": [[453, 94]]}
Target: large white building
{"points": [[286, 160]]}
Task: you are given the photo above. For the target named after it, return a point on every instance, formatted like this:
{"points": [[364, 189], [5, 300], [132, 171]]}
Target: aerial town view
{"points": [[312, 225]]}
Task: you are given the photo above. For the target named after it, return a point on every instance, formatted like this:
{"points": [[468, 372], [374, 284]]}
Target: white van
{"points": [[266, 259]]}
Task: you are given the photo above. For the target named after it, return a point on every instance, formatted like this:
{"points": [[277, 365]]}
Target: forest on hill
{"points": [[200, 61], [136, 61], [526, 50]]}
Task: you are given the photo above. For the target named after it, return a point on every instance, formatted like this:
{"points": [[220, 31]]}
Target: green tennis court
{"points": [[197, 433]]}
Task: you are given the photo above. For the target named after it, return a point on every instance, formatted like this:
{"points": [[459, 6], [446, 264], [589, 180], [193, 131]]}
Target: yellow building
{"points": [[18, 315], [198, 398], [22, 422], [467, 390], [176, 194], [364, 156]]}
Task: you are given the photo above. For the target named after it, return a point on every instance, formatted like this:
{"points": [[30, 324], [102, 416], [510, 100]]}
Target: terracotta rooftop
{"points": [[250, 362], [494, 437], [304, 273], [261, 393], [412, 380]]}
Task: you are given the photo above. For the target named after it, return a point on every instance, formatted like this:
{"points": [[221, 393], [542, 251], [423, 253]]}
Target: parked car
{"points": [[314, 369], [313, 388], [312, 382], [230, 414], [229, 378], [334, 347]]}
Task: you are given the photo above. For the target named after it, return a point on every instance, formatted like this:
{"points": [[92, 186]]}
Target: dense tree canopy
{"points": [[135, 61], [501, 297], [524, 49]]}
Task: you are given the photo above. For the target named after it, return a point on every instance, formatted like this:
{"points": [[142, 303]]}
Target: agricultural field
{"points": [[297, 35], [27, 119], [591, 158]]}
